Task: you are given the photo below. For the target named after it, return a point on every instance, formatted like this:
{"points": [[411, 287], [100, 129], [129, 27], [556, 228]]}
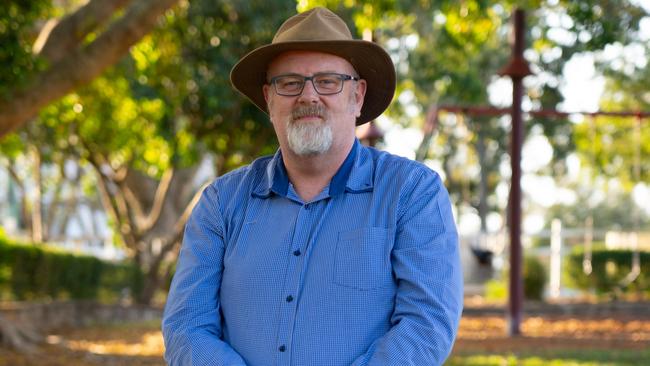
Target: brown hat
{"points": [[323, 31]]}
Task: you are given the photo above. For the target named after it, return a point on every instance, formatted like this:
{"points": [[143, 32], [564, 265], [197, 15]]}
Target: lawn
{"points": [[549, 340], [617, 339]]}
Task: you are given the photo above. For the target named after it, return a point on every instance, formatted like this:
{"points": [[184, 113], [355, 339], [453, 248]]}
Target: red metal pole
{"points": [[515, 303], [544, 113], [517, 69]]}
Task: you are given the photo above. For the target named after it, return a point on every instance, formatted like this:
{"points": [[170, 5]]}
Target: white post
{"points": [[556, 256], [589, 237]]}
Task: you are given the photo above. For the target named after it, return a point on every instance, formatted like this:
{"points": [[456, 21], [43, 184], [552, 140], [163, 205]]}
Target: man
{"points": [[328, 253]]}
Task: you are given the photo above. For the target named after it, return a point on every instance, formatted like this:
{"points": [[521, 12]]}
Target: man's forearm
{"points": [[186, 348]]}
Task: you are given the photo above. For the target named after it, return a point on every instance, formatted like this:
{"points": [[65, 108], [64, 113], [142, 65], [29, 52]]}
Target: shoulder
{"points": [[245, 174], [400, 171], [240, 181]]}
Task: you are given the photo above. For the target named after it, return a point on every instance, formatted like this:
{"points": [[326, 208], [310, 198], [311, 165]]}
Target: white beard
{"points": [[309, 138]]}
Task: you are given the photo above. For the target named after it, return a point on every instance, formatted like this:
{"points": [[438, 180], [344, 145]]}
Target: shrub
{"points": [[534, 278], [30, 272], [496, 290], [609, 268]]}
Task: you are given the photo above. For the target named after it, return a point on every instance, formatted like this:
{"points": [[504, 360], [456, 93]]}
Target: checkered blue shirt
{"points": [[367, 273]]}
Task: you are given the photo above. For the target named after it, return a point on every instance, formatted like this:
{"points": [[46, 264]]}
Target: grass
{"points": [[554, 357]]}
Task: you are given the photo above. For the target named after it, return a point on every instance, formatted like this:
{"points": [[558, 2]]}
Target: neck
{"points": [[309, 174]]}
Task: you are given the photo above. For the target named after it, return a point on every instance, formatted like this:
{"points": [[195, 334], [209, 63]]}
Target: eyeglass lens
{"points": [[324, 84]]}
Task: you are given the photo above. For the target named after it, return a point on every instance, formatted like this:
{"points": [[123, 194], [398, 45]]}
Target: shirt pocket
{"points": [[362, 259]]}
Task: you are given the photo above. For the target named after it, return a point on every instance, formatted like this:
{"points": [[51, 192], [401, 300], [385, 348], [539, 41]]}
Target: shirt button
{"points": [[289, 298], [307, 207], [296, 252], [282, 348]]}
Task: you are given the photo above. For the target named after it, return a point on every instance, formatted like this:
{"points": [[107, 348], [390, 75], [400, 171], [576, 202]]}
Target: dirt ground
{"points": [[488, 334], [141, 344]]}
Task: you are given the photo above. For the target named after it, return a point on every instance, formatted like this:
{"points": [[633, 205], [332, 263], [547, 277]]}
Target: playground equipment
{"points": [[517, 69]]}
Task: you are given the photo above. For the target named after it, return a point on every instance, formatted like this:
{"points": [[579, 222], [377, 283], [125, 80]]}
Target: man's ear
{"points": [[359, 95], [266, 90]]}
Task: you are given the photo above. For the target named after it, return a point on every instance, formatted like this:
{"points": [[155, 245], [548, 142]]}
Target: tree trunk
{"points": [[37, 212], [152, 281], [155, 213], [20, 337]]}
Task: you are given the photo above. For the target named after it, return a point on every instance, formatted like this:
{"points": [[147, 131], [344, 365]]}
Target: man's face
{"points": [[310, 123]]}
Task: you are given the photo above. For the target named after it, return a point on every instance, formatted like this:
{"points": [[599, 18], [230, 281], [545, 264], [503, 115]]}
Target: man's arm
{"points": [[192, 321], [429, 298]]}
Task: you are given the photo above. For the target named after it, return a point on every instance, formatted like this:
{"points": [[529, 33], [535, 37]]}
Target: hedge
{"points": [[609, 268], [38, 272], [534, 280]]}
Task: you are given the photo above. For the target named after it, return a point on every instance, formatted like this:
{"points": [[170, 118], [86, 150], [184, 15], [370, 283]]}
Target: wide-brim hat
{"points": [[323, 31]]}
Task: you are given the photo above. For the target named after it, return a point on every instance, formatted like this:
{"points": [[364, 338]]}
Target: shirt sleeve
{"points": [[192, 322], [426, 265]]}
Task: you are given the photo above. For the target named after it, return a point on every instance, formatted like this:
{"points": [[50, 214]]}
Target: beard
{"points": [[310, 137]]}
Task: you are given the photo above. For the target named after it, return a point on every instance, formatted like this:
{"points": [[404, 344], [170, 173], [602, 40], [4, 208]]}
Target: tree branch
{"points": [[134, 205], [48, 221], [54, 43], [82, 64], [112, 206], [180, 224], [159, 200], [14, 175]]}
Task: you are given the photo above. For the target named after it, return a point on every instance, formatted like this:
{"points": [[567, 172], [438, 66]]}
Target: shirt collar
{"points": [[354, 175]]}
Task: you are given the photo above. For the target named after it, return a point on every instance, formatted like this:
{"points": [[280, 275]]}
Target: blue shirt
{"points": [[367, 273]]}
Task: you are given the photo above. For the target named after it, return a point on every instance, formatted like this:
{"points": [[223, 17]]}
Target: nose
{"points": [[309, 94]]}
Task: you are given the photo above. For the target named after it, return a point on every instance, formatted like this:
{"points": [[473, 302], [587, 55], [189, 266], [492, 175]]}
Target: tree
{"points": [[45, 179], [72, 51], [616, 211], [614, 147], [146, 123]]}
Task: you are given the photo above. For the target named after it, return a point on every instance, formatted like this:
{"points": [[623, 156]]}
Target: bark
{"points": [[150, 216], [37, 213], [54, 43], [429, 129], [158, 241], [20, 337], [24, 218], [81, 64], [56, 202]]}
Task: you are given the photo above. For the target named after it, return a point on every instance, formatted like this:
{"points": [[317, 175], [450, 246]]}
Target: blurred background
{"points": [[114, 115]]}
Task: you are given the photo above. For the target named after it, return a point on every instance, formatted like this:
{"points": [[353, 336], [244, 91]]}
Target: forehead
{"points": [[308, 62]]}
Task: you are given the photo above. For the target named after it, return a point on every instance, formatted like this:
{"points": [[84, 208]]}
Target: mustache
{"points": [[311, 110]]}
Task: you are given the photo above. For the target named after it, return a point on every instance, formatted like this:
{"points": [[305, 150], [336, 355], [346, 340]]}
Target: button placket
{"points": [[304, 226]]}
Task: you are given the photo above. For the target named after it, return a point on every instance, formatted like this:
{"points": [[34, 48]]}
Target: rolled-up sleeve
{"points": [[426, 266], [191, 322]]}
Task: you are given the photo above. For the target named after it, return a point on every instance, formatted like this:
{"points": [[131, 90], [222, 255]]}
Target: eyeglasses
{"points": [[326, 83]]}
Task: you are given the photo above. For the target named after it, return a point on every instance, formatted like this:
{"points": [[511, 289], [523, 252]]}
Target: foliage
{"points": [[29, 272], [156, 115], [617, 210], [496, 290], [618, 147], [212, 37], [534, 278], [609, 268], [16, 37], [169, 102], [534, 281], [450, 52]]}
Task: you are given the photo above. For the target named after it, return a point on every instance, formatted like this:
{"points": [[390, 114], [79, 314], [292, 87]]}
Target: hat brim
{"points": [[370, 60]]}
